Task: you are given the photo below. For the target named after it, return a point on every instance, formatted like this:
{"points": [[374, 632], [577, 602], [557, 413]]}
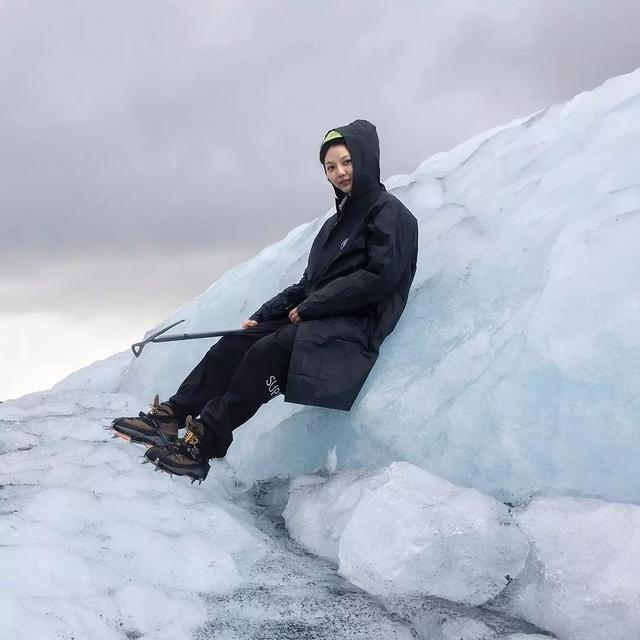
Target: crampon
{"points": [[184, 457], [158, 427]]}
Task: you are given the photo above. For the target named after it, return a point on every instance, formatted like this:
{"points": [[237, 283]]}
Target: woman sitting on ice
{"points": [[317, 340]]}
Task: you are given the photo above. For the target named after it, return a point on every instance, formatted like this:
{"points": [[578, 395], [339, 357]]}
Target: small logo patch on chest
{"points": [[344, 244]]}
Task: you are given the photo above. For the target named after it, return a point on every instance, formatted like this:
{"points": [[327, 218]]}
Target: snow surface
{"points": [[95, 545], [513, 374], [89, 541], [404, 530]]}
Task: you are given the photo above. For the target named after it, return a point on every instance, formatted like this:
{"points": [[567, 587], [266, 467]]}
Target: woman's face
{"points": [[338, 167]]}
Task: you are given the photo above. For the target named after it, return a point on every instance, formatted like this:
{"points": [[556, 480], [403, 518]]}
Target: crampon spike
{"points": [[115, 435], [145, 461], [193, 480]]}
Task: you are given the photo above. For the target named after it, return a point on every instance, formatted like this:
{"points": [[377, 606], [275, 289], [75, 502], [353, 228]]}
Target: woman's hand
{"points": [[248, 323], [294, 317]]}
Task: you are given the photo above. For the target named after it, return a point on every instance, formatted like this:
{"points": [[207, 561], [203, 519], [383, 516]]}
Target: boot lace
{"points": [[188, 446]]}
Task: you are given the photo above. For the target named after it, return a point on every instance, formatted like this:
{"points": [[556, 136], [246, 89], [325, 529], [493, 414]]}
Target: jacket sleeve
{"points": [[392, 245], [281, 303]]}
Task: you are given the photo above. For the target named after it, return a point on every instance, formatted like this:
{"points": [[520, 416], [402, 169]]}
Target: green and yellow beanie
{"points": [[333, 137]]}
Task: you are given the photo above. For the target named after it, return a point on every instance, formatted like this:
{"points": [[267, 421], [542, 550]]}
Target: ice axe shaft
{"points": [[137, 347]]}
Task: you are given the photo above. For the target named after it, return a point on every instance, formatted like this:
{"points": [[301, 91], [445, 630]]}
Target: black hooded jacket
{"points": [[355, 286]]}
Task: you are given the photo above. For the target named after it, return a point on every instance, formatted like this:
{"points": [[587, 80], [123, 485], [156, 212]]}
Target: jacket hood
{"points": [[361, 139]]}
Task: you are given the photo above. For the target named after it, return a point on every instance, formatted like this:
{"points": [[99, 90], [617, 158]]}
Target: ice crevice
{"points": [[310, 599]]}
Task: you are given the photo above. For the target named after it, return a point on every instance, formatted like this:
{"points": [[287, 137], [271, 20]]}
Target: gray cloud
{"points": [[193, 127], [80, 285], [147, 146]]}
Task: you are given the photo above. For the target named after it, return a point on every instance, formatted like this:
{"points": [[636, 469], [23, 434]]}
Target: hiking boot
{"points": [[185, 456], [158, 427]]}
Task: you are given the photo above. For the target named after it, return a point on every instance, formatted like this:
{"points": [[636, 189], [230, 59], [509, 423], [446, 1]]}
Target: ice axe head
{"points": [[137, 347]]}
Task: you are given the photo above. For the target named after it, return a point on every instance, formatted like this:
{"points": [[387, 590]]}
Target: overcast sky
{"points": [[147, 146]]}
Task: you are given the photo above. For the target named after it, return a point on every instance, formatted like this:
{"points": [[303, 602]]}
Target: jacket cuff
{"points": [[302, 314]]}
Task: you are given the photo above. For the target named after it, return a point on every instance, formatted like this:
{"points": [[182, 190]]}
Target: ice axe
{"points": [[137, 347]]}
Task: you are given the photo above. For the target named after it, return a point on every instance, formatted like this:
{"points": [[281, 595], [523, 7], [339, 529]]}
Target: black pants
{"points": [[235, 377]]}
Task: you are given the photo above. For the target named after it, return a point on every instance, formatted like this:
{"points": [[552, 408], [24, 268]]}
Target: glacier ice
{"points": [[95, 545], [86, 533], [518, 355], [103, 375], [527, 636], [403, 530], [582, 582]]}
